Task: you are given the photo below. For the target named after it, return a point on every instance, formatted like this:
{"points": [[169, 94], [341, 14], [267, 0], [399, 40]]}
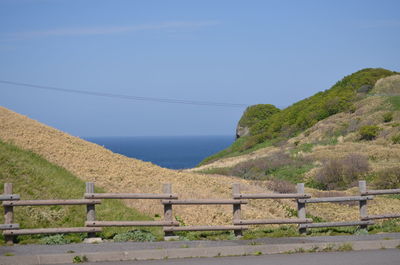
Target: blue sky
{"points": [[245, 52]]}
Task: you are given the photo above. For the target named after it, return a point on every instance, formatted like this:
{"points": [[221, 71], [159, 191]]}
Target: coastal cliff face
{"points": [[327, 141], [252, 116]]}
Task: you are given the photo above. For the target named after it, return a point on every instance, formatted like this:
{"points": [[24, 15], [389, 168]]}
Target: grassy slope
{"points": [[35, 178], [304, 114]]}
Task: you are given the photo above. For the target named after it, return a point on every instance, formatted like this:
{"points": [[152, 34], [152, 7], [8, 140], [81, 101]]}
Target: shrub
{"points": [[255, 113], [388, 117], [253, 169], [281, 186], [369, 132], [396, 139], [135, 235], [388, 178], [341, 173], [55, 240]]}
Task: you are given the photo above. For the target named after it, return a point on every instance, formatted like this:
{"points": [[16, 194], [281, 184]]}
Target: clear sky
{"points": [[244, 52]]}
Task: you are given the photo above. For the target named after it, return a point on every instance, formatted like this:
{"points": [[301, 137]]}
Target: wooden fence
{"points": [[168, 200]]}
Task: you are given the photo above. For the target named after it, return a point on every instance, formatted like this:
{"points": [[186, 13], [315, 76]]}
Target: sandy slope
{"points": [[117, 173]]}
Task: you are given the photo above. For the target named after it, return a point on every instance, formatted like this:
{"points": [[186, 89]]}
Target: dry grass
{"points": [[389, 85], [117, 173]]}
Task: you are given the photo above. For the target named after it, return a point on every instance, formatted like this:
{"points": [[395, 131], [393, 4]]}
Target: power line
{"points": [[128, 97]]}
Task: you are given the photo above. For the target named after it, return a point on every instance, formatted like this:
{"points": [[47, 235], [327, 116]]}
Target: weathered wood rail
{"points": [[91, 216], [299, 195], [169, 199], [366, 193], [10, 230], [362, 208]]}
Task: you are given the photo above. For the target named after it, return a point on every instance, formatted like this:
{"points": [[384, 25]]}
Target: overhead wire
{"points": [[128, 97]]}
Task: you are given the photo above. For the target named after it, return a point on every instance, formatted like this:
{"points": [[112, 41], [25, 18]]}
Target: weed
{"points": [[328, 248], [257, 253], [135, 235], [8, 254], [396, 139], [388, 117], [58, 239], [79, 259], [345, 247]]}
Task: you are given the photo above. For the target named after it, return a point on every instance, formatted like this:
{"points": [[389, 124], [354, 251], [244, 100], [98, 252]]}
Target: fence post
{"points": [[301, 208], [362, 185], [237, 210], [167, 189], [90, 208], [8, 213]]}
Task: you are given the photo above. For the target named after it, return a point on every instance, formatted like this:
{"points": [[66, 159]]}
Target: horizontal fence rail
{"points": [[271, 196], [169, 199], [52, 231], [336, 224], [203, 202], [50, 202], [273, 221], [130, 223], [9, 197], [336, 199], [205, 228], [129, 196], [381, 192]]}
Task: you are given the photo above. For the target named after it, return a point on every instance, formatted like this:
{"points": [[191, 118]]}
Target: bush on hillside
{"points": [[388, 178], [388, 117], [281, 186], [368, 132], [396, 139], [340, 173], [255, 113], [253, 169]]}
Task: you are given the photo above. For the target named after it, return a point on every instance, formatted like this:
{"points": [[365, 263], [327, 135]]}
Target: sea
{"points": [[174, 152]]}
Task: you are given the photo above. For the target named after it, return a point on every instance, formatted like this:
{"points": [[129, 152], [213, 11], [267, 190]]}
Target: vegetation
{"points": [[135, 235], [35, 178], [369, 132], [340, 173], [395, 102], [255, 113], [396, 139], [55, 240], [388, 117], [289, 122], [280, 165], [388, 178]]}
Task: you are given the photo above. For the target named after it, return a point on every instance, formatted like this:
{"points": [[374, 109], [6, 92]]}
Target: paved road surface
{"points": [[367, 257]]}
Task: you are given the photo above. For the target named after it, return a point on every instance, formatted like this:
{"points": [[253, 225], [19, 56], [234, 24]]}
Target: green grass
{"points": [[275, 126], [35, 178], [292, 173], [395, 102], [236, 149]]}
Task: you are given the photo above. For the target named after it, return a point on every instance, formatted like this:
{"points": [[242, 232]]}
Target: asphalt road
{"points": [[365, 257]]}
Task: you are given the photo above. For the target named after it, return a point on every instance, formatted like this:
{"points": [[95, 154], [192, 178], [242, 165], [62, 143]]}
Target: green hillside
{"points": [[275, 126], [35, 178]]}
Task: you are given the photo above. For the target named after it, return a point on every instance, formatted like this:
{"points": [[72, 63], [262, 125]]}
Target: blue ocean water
{"points": [[175, 152]]}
